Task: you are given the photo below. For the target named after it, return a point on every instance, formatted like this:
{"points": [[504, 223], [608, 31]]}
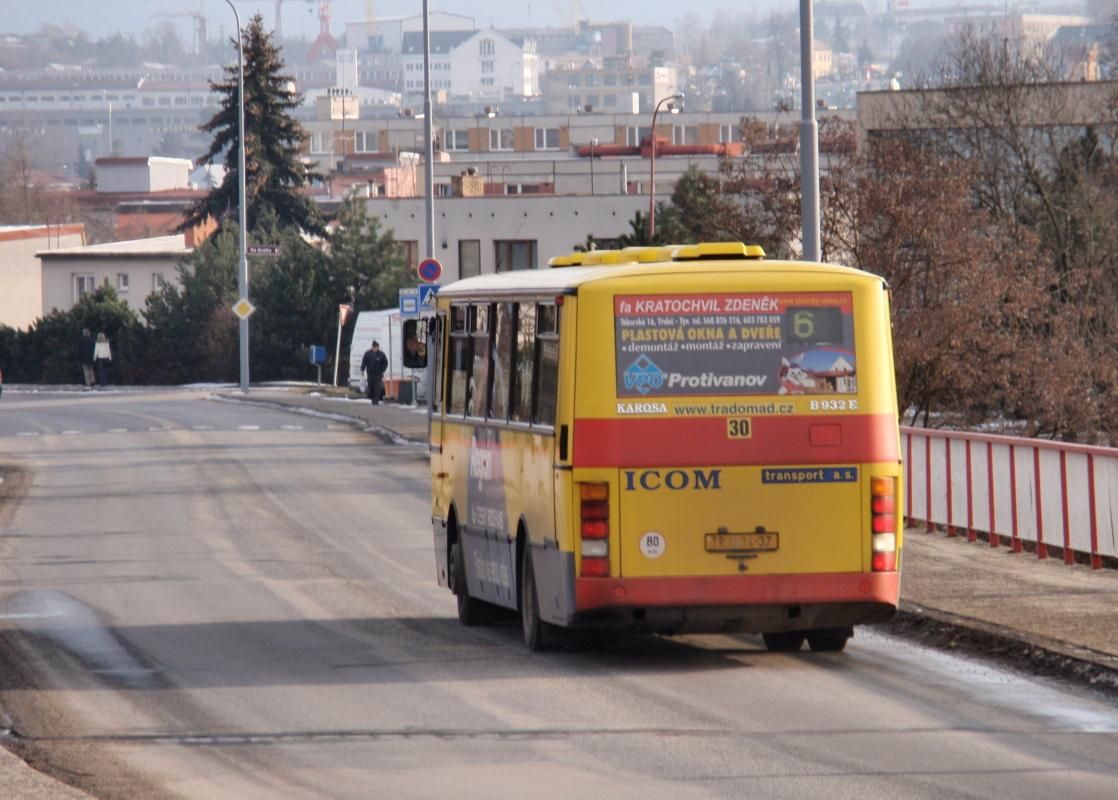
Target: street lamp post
{"points": [[242, 271], [652, 164]]}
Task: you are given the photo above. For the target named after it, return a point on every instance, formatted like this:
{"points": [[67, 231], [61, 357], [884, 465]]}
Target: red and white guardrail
{"points": [[1015, 490]]}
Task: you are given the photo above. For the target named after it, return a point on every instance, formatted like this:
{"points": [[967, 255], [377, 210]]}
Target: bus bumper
{"points": [[753, 603]]}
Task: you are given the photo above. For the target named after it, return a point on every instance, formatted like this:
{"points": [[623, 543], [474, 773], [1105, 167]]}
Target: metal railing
{"points": [[1015, 490]]}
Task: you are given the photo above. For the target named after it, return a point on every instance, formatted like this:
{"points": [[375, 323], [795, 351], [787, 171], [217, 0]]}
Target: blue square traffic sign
{"points": [[427, 294]]}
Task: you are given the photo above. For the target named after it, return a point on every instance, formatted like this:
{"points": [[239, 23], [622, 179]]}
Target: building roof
{"points": [[141, 161], [441, 41], [174, 245], [10, 233]]}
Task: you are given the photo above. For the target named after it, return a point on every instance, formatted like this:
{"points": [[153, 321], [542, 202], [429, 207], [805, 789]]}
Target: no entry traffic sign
{"points": [[430, 270]]}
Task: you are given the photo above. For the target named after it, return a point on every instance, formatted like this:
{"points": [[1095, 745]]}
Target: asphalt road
{"points": [[203, 599]]}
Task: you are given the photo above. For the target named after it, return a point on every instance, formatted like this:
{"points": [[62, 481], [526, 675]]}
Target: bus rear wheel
{"points": [[537, 633], [784, 642], [829, 640], [469, 609]]}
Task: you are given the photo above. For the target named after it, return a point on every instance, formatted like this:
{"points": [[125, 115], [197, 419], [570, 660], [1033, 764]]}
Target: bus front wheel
{"points": [[536, 633], [469, 609]]}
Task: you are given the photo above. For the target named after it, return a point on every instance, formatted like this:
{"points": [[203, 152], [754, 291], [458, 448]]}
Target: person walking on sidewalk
{"points": [[102, 359], [85, 357], [373, 364]]}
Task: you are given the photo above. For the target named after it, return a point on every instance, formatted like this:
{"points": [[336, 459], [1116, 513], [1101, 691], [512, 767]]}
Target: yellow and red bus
{"points": [[668, 440]]}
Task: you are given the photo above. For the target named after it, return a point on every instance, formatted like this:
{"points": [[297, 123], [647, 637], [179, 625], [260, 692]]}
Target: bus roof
{"points": [[571, 271]]}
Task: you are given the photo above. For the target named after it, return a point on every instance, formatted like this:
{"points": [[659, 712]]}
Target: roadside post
{"points": [[344, 310], [318, 358]]}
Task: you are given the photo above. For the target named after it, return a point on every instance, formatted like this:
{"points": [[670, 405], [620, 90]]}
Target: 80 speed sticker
{"points": [[653, 545]]}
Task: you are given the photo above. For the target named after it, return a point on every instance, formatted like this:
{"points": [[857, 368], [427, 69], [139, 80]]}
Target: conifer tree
{"points": [[273, 169]]}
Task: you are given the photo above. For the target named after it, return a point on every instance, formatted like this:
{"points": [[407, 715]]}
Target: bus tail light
{"points": [[883, 523], [594, 527]]}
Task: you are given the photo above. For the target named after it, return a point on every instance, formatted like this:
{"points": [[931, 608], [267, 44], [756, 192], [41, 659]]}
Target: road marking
{"points": [[117, 430], [202, 427], [160, 428], [70, 433], [248, 427], [292, 427], [28, 433]]}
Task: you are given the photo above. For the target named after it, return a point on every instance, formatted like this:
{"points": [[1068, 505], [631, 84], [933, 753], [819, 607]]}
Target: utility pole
{"points": [[242, 271], [809, 137], [429, 181]]}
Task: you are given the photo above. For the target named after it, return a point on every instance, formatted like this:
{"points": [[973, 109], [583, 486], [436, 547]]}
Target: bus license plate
{"points": [[734, 542]]}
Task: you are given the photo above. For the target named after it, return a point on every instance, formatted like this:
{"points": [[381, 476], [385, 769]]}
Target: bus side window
{"points": [[479, 373], [502, 362], [457, 362], [547, 367], [524, 363]]}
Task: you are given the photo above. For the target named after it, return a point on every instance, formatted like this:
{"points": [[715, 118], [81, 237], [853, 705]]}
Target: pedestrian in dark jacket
{"points": [[85, 357], [373, 364]]}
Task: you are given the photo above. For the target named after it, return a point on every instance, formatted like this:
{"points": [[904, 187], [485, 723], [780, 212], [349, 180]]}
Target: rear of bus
{"points": [[735, 451]]}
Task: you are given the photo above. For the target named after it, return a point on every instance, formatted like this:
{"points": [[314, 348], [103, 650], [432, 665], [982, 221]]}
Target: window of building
{"points": [[488, 81], [469, 258], [456, 140], [164, 101], [685, 134], [636, 134], [157, 281], [83, 285], [147, 102], [122, 281], [610, 79], [515, 254], [365, 141], [500, 138], [317, 140], [487, 47], [610, 101], [410, 251], [591, 79], [729, 133], [547, 138], [487, 66]]}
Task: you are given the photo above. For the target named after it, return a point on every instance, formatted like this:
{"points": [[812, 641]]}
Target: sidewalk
{"points": [[1041, 616]]}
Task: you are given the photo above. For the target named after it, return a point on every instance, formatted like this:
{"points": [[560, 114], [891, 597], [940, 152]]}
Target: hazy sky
{"points": [[99, 17]]}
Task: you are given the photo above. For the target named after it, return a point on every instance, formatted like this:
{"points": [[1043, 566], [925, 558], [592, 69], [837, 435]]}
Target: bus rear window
{"points": [[735, 344]]}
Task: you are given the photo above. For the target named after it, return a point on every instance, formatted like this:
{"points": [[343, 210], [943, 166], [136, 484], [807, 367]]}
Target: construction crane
{"points": [[570, 12], [198, 26], [324, 41]]}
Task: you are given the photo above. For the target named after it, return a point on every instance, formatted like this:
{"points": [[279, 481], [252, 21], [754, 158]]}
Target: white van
{"points": [[385, 328]]}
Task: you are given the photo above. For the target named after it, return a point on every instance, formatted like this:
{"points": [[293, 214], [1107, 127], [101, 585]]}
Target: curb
{"points": [[386, 434], [1036, 656]]}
